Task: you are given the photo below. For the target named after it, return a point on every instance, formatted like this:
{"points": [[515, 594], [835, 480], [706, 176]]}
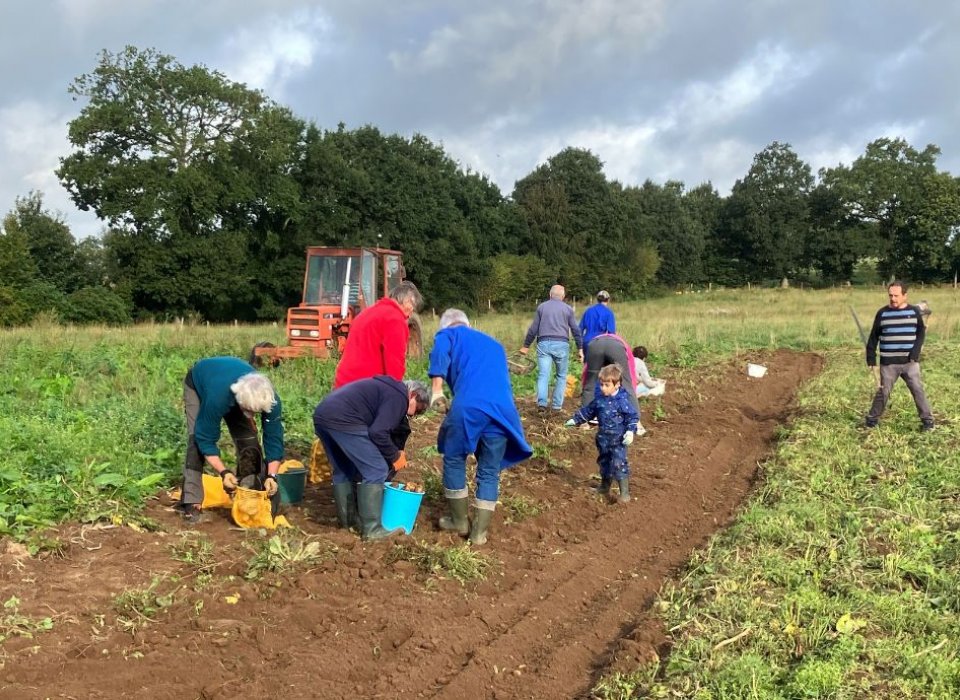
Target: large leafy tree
{"points": [[766, 218], [188, 168], [896, 190]]}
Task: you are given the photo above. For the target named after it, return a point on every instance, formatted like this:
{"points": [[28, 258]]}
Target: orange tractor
{"points": [[338, 284]]}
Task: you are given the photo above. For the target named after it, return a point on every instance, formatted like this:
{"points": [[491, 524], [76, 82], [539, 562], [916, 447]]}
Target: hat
{"points": [[603, 295]]}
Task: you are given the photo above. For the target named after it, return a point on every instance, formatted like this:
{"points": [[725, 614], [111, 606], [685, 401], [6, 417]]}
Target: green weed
{"points": [[13, 624], [519, 507], [138, 607], [283, 553], [461, 562], [196, 551]]}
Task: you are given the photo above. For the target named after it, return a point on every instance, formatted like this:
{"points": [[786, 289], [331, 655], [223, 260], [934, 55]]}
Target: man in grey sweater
{"points": [[553, 326]]}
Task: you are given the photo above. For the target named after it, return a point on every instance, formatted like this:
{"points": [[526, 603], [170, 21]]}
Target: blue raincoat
{"points": [[615, 415], [474, 365]]}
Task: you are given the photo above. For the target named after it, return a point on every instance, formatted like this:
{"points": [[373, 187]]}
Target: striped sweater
{"points": [[898, 334]]}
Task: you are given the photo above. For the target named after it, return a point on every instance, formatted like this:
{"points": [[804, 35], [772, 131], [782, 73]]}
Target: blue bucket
{"points": [[400, 508]]}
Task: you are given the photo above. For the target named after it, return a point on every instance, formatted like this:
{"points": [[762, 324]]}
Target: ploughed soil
{"points": [[566, 597]]}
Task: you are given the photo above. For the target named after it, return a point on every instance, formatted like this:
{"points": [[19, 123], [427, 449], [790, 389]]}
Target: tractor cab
{"points": [[338, 284]]}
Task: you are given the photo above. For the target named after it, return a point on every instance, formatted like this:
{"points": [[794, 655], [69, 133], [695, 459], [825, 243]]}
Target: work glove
{"points": [[641, 431], [437, 398], [230, 482], [270, 485], [570, 423], [628, 438], [401, 461]]}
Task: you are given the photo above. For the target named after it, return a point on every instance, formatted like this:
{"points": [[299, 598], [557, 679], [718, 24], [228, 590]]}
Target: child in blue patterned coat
{"points": [[618, 421]]}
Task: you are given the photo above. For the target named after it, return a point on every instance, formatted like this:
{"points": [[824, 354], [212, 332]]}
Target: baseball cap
{"points": [[603, 295]]}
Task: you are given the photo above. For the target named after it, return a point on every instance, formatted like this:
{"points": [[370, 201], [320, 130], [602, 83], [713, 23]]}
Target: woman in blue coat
{"points": [[482, 420]]}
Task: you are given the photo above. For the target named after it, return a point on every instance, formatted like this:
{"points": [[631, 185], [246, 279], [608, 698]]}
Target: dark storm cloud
{"points": [[687, 90]]}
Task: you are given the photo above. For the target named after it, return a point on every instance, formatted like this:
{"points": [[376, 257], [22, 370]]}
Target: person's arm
{"points": [[532, 331], [611, 322], [873, 340], [272, 425], [630, 415], [643, 375], [921, 336], [394, 349], [389, 415], [575, 331], [439, 365]]}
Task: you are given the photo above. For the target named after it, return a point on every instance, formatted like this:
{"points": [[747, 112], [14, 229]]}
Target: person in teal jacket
{"points": [[482, 420], [230, 390]]}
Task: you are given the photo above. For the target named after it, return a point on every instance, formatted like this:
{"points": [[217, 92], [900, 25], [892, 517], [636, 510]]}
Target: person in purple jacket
{"points": [[354, 423], [553, 326]]}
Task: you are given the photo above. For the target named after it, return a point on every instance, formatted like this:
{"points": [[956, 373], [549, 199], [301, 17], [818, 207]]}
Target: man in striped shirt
{"points": [[898, 333]]}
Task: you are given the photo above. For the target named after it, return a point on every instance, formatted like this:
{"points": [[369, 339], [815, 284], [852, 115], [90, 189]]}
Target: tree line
{"points": [[210, 192]]}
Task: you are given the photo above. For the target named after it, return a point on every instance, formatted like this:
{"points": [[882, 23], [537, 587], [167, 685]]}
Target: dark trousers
{"points": [[244, 433], [353, 456], [910, 373]]}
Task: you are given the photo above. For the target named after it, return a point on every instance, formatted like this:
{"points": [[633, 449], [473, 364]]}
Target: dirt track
{"points": [[567, 601]]}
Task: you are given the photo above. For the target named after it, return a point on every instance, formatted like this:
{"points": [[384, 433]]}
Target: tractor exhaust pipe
{"points": [[345, 296]]}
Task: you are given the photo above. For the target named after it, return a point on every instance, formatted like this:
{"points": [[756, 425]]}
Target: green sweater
{"points": [[212, 378]]}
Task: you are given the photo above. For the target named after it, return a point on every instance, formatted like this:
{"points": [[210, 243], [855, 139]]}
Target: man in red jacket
{"points": [[377, 343]]}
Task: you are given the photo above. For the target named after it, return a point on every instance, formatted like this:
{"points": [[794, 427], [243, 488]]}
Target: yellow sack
{"points": [[213, 494], [572, 387], [251, 508], [320, 469]]}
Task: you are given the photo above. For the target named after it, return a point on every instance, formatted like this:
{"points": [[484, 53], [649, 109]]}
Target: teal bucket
{"points": [[291, 485], [400, 508]]}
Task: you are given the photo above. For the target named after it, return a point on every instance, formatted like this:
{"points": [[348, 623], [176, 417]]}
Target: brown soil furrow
{"points": [[569, 595]]}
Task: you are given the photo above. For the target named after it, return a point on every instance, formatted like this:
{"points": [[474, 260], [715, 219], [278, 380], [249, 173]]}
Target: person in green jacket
{"points": [[228, 389]]}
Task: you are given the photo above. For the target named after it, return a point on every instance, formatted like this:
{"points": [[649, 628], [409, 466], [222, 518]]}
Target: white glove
{"points": [[570, 423], [437, 398], [641, 431], [628, 438]]}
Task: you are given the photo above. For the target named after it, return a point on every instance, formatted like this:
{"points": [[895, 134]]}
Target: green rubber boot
{"points": [[457, 521], [604, 488], [369, 508], [482, 515], [345, 498], [624, 490]]}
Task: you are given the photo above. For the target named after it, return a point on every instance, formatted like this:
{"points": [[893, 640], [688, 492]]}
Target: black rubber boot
{"points": [[481, 522], [457, 521], [369, 508], [604, 488], [345, 498], [624, 490]]}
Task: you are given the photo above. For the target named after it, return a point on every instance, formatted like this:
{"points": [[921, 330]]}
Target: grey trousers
{"points": [[244, 433], [600, 352], [910, 372]]}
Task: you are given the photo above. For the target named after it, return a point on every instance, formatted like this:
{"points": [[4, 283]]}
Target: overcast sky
{"points": [[687, 90]]}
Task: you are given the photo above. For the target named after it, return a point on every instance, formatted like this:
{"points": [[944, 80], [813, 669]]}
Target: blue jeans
{"points": [[552, 354], [489, 454]]}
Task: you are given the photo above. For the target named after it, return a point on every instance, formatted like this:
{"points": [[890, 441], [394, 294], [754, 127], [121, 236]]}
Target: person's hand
{"points": [[580, 353], [524, 351], [628, 438], [641, 431], [230, 482], [401, 461], [270, 485], [570, 423], [437, 398]]}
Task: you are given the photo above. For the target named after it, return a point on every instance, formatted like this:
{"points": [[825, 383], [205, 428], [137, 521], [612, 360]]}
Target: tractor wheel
{"points": [[258, 361], [415, 341]]}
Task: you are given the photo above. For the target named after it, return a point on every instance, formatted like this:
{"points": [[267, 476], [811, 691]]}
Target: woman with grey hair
{"points": [[228, 389], [356, 423]]}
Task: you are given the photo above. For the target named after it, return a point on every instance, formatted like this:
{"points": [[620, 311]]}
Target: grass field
{"points": [[840, 580]]}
